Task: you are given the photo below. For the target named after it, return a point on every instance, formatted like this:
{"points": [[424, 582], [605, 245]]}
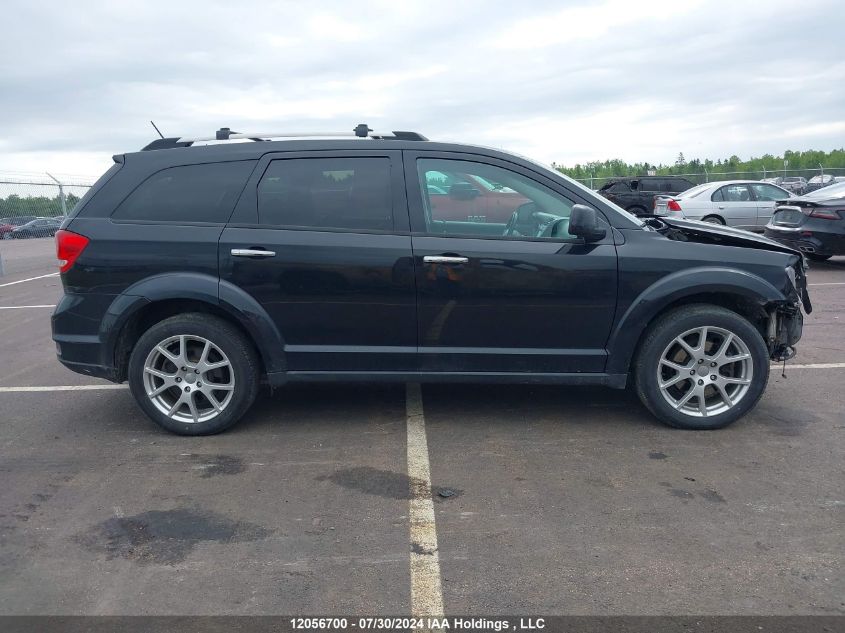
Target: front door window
{"points": [[470, 199]]}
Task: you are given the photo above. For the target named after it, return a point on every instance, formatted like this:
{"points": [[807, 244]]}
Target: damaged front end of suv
{"points": [[781, 321]]}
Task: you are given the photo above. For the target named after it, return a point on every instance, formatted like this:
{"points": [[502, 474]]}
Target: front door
{"points": [[521, 295], [315, 240]]}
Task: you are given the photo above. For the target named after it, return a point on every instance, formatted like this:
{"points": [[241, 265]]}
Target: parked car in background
{"points": [[40, 227], [793, 184], [818, 182], [7, 225], [461, 197], [637, 194], [813, 223], [744, 204]]}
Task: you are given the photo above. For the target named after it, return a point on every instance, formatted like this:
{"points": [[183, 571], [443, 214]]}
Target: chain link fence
{"points": [[32, 209], [712, 176]]}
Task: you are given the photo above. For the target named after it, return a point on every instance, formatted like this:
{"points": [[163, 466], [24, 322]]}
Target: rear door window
{"points": [[327, 193], [187, 194], [732, 193]]}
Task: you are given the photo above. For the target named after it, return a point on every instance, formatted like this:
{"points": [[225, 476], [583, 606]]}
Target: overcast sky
{"points": [[558, 81]]}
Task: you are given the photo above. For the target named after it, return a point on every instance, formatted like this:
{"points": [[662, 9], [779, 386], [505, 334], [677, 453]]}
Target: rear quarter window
{"points": [[189, 193]]}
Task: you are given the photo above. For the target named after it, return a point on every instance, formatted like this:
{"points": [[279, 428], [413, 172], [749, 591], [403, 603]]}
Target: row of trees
{"points": [[41, 206], [811, 161]]}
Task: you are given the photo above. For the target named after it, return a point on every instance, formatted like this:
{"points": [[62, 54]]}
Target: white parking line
{"points": [[61, 388], [829, 283], [813, 366], [418, 468], [46, 305], [20, 281], [426, 590]]}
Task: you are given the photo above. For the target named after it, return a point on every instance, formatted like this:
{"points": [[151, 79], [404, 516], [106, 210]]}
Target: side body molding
{"points": [[673, 287], [206, 289]]}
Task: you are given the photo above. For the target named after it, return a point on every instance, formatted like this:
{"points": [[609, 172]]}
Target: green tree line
{"points": [[797, 163], [41, 206]]}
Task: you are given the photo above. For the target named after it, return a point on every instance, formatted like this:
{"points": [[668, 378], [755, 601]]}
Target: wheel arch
{"points": [[744, 293], [156, 298]]}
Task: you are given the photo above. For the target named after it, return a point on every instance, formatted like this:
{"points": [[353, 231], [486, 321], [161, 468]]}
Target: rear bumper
{"points": [[76, 331], [819, 242]]}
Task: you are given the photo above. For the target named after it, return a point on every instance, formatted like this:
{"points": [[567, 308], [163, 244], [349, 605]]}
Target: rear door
{"points": [[736, 205], [518, 296], [321, 240]]}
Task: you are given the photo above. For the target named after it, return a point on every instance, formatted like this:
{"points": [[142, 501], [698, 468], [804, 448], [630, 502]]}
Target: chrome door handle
{"points": [[445, 259], [252, 252]]}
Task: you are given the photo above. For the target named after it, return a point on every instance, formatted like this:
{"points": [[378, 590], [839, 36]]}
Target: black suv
{"points": [[196, 272], [636, 195]]}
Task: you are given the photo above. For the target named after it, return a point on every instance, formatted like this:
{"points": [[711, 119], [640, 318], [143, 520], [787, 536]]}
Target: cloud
{"points": [[565, 83]]}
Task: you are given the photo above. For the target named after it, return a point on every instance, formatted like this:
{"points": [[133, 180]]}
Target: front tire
{"points": [[701, 367], [194, 374]]}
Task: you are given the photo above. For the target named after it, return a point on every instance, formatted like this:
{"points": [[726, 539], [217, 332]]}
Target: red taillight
{"points": [[673, 205], [69, 246], [823, 214]]}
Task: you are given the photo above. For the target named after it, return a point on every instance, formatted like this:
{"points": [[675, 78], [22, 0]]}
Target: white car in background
{"points": [[744, 204]]}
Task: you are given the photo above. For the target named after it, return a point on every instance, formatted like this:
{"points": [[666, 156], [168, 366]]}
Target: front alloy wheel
{"points": [[705, 371], [701, 367]]}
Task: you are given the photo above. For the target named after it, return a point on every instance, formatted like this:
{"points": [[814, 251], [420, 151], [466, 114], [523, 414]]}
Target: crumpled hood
{"points": [[729, 235]]}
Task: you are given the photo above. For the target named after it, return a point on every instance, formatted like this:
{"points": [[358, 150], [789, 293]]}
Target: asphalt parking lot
{"points": [[565, 500]]}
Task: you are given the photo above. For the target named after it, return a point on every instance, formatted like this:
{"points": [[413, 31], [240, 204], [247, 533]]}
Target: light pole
{"points": [[61, 193]]}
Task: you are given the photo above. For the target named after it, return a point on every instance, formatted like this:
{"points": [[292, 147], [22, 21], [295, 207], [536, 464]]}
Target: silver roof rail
{"points": [[362, 130]]}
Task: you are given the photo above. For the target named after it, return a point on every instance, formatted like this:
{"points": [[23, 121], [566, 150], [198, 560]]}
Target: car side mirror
{"points": [[584, 223], [463, 191]]}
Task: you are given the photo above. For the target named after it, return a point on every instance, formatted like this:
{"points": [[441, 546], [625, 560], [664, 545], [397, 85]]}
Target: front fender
{"points": [[669, 289], [242, 307]]}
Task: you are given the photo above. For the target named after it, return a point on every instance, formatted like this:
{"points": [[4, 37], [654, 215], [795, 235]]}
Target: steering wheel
{"points": [[522, 218]]}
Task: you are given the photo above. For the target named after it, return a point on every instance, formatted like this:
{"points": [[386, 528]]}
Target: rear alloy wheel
{"points": [[193, 374], [701, 367], [714, 219]]}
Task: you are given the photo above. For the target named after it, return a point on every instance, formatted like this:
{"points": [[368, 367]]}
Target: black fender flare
{"points": [[238, 304], [667, 290]]}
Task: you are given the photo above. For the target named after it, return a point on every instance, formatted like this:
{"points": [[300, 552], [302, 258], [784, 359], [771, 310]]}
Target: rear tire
{"points": [[713, 219], [638, 211], [815, 257], [194, 374], [688, 385]]}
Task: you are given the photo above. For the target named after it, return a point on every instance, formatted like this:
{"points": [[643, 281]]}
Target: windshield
{"points": [[831, 191]]}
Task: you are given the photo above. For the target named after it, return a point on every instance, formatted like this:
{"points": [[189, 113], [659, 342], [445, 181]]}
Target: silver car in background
{"points": [[744, 204], [795, 184]]}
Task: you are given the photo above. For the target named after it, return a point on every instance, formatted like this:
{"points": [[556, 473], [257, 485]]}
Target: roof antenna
{"points": [[157, 130]]}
